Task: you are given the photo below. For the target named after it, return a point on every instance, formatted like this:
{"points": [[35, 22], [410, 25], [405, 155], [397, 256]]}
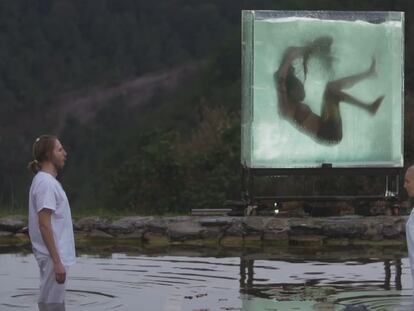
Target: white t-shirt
{"points": [[47, 192]]}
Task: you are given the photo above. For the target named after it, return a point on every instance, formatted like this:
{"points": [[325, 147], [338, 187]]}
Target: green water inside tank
{"points": [[269, 140]]}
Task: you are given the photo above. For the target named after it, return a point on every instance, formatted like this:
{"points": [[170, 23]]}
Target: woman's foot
{"points": [[373, 108]]}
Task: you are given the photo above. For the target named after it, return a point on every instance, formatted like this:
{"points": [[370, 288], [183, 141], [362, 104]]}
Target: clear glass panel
{"points": [[322, 87]]}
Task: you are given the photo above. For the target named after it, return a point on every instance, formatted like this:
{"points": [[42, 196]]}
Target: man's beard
{"points": [[57, 164]]}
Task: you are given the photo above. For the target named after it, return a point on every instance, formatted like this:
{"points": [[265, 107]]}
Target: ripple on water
{"points": [[27, 298], [377, 300], [172, 283]]}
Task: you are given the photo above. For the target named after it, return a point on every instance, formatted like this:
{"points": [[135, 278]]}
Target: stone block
{"points": [[12, 223], [273, 223], [128, 224], [215, 221], [91, 223], [237, 228], [156, 224], [254, 223], [344, 229], [390, 232], [99, 234], [187, 230]]}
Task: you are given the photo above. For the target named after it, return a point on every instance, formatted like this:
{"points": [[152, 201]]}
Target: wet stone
{"points": [[304, 230], [232, 241], [136, 235], [91, 223], [390, 232], [305, 226], [194, 242], [179, 219], [307, 240], [156, 225], [237, 228], [184, 230], [154, 238], [12, 223], [276, 223], [342, 229], [373, 231], [336, 242], [272, 230], [212, 233], [399, 223], [218, 221], [5, 233], [99, 234], [254, 224], [128, 224]]}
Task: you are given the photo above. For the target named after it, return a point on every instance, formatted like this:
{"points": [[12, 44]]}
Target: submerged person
{"points": [[50, 222], [327, 127]]}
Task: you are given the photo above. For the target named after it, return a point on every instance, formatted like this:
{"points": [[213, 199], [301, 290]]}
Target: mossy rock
{"points": [[156, 239], [337, 242], [232, 241], [307, 240]]}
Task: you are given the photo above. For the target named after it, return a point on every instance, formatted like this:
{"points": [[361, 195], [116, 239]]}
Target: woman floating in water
{"points": [[327, 127]]}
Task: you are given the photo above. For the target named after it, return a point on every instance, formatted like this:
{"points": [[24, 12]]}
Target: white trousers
{"points": [[52, 294], [409, 232]]}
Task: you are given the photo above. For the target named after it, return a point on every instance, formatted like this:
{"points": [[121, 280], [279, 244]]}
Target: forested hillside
{"points": [[165, 146]]}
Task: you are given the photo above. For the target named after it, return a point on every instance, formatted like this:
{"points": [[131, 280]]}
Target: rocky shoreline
{"points": [[226, 231]]}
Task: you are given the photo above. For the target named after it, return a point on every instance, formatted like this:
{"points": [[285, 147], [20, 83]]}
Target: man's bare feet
{"points": [[373, 108]]}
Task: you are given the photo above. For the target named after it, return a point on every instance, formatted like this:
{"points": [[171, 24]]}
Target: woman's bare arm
{"points": [[290, 55], [281, 75]]}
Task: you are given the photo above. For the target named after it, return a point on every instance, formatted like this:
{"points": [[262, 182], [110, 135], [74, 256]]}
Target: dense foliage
{"points": [[182, 150]]}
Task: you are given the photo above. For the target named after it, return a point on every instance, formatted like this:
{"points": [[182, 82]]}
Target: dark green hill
{"points": [[145, 96]]}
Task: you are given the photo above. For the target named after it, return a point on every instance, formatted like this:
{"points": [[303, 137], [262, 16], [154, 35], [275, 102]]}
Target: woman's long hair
{"points": [[319, 49]]}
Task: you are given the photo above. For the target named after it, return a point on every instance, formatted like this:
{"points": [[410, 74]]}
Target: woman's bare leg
{"points": [[334, 90], [331, 121], [330, 129], [370, 107], [350, 81]]}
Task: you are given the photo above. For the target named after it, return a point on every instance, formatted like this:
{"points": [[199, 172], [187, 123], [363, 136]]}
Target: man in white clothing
{"points": [[50, 222], [409, 227]]}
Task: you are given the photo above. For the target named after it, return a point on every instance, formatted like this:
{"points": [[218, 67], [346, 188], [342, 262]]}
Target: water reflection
{"points": [[309, 295], [398, 273], [247, 275], [188, 280], [246, 265]]}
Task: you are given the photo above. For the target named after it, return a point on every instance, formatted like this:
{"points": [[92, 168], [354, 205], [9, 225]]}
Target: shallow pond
{"points": [[193, 280]]}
